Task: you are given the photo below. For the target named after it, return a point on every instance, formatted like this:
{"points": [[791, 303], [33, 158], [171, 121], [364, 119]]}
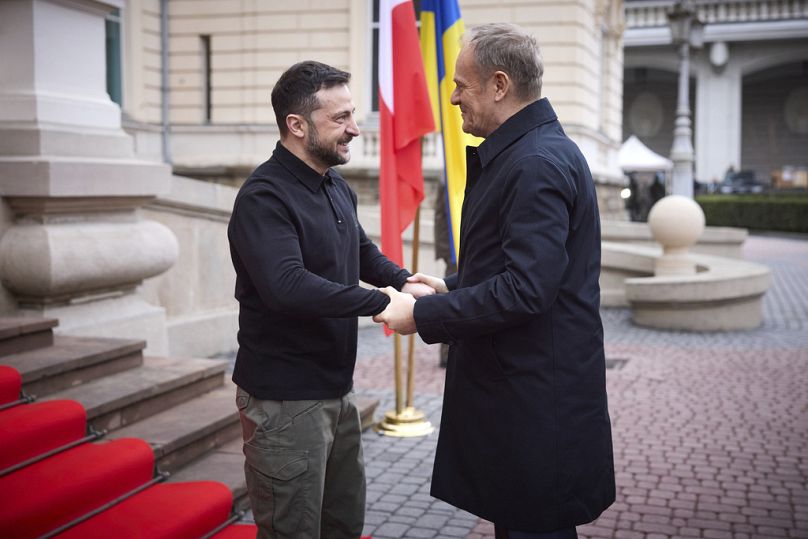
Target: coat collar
{"points": [[300, 170], [535, 114]]}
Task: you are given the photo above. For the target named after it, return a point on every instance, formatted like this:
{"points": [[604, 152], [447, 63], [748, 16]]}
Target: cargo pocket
{"points": [[278, 486], [248, 425]]}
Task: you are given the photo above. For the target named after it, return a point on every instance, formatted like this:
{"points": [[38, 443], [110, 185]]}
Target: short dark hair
{"points": [[507, 47], [294, 91]]}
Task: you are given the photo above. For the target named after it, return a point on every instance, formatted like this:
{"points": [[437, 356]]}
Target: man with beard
{"points": [[299, 252], [525, 437]]}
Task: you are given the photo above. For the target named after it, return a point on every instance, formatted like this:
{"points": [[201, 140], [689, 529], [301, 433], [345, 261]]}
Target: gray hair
{"points": [[506, 47]]}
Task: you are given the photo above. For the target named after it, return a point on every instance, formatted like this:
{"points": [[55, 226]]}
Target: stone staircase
{"points": [[184, 408]]}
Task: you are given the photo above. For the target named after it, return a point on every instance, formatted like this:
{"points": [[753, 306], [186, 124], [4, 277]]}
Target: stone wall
{"points": [[251, 43], [197, 292]]}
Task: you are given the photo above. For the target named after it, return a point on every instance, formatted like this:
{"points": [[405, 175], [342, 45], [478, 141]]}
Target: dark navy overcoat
{"points": [[525, 437]]}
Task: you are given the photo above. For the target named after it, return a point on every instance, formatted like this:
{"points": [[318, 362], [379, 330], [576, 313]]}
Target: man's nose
{"points": [[454, 99], [353, 127]]}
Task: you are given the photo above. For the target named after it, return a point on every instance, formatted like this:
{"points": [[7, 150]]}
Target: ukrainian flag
{"points": [[441, 31]]}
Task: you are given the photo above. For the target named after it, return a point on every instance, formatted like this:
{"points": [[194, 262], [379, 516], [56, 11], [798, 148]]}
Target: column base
{"points": [[125, 317]]}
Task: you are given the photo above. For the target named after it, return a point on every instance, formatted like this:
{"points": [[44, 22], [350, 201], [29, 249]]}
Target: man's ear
{"points": [[296, 124], [502, 85]]}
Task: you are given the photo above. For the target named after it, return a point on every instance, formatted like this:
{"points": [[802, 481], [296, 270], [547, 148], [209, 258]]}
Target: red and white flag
{"points": [[405, 115]]}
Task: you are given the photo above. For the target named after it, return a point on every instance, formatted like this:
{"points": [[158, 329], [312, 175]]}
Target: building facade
{"points": [[749, 85], [106, 104], [224, 56]]}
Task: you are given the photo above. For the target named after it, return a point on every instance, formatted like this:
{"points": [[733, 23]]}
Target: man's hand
{"points": [[399, 313], [435, 282], [418, 290]]}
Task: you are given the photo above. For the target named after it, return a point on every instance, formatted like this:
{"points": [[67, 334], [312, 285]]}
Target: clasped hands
{"points": [[399, 312]]}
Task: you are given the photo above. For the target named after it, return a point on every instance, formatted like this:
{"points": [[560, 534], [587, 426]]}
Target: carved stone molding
{"points": [[61, 263]]}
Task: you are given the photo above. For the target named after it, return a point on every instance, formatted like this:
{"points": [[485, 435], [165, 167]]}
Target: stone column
{"points": [[718, 113], [75, 246]]}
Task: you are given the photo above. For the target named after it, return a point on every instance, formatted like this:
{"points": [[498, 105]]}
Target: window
{"points": [[113, 52], [207, 88]]}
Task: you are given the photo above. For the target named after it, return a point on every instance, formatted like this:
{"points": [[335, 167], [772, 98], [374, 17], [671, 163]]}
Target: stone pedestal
{"points": [[75, 246]]}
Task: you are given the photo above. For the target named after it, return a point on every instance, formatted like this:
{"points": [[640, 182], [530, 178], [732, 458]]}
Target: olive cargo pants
{"points": [[304, 466]]}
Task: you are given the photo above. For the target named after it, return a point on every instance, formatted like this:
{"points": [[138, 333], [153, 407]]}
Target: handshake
{"points": [[399, 312]]}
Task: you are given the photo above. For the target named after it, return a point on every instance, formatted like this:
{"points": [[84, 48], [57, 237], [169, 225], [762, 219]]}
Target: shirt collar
{"points": [[535, 114], [299, 169]]}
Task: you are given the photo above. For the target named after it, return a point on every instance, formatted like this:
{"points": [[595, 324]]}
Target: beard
{"points": [[328, 156]]}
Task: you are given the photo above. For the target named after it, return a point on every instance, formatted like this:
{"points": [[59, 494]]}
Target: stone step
{"points": [[186, 431], [20, 334], [224, 464], [72, 361], [123, 398]]}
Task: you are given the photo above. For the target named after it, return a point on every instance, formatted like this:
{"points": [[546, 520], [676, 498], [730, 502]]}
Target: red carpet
{"points": [[32, 429], [57, 490], [43, 496], [10, 384], [163, 511]]}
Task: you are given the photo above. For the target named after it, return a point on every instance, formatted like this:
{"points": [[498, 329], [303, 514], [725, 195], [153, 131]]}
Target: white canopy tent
{"points": [[634, 156]]}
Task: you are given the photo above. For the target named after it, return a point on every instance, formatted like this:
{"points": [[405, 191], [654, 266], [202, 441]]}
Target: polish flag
{"points": [[405, 115]]}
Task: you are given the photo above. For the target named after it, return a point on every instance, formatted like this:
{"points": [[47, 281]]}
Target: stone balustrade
{"points": [[653, 13]]}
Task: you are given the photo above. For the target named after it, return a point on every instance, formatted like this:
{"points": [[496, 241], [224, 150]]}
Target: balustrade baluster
{"points": [[653, 13]]}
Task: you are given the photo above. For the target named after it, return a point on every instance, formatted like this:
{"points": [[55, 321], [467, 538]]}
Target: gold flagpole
{"points": [[397, 373], [406, 422], [416, 243]]}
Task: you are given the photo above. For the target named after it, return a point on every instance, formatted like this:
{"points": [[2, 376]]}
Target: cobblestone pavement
{"points": [[710, 430]]}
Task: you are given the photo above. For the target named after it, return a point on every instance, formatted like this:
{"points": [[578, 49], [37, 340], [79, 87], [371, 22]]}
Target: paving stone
{"points": [[434, 521], [453, 531], [420, 533], [375, 517], [391, 529], [404, 489], [393, 498], [410, 511], [461, 517], [373, 496], [413, 480], [386, 507]]}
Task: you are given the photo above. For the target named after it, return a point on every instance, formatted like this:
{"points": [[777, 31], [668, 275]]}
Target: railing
{"points": [[653, 13], [366, 150]]}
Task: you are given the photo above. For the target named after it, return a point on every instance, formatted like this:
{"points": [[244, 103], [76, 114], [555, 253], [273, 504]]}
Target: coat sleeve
{"points": [[534, 216], [266, 240]]}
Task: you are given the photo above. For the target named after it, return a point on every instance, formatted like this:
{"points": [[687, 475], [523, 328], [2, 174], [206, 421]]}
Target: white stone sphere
{"points": [[676, 221]]}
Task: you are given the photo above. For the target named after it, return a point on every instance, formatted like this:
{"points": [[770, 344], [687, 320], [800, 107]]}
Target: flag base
{"points": [[410, 423]]}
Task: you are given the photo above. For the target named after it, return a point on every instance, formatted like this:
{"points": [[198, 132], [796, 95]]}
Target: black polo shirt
{"points": [[299, 252]]}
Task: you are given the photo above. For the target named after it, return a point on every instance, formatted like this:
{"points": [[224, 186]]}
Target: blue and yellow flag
{"points": [[441, 33]]}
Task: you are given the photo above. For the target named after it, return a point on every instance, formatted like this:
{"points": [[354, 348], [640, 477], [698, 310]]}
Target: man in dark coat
{"points": [[525, 438]]}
